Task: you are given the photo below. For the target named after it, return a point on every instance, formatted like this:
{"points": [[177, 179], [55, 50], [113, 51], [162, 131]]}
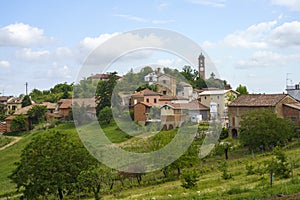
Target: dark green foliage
{"points": [[152, 87], [242, 90], [19, 123], [50, 164], [37, 114], [96, 178], [189, 179], [59, 91], [224, 133], [104, 92], [279, 165], [223, 167], [105, 115], [26, 101], [2, 113], [262, 129], [250, 169]]}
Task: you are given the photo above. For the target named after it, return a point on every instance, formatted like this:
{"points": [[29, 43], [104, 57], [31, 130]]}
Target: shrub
{"points": [[189, 179]]}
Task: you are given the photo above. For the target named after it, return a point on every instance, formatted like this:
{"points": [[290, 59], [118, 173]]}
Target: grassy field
{"points": [[210, 185], [4, 141]]}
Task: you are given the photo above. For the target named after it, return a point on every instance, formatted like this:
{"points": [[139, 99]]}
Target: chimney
{"points": [[158, 71]]}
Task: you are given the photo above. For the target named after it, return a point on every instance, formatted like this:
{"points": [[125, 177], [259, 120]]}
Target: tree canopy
{"points": [[50, 164], [26, 101], [19, 123], [242, 90], [263, 129], [37, 113]]}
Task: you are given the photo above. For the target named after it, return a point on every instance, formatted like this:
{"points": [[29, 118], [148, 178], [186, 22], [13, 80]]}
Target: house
{"points": [[173, 115], [13, 104], [294, 91], [217, 101], [292, 111], [187, 91], [3, 102], [151, 78], [141, 112], [50, 114], [147, 96], [65, 106], [283, 105], [166, 85]]}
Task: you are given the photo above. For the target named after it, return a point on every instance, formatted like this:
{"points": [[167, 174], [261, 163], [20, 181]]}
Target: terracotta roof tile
{"points": [[248, 100], [146, 92]]}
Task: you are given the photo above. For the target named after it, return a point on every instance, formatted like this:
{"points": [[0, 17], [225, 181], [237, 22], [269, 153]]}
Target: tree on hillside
{"points": [[105, 115], [104, 92], [37, 113], [263, 129], [242, 90], [95, 179], [26, 101], [19, 123], [50, 165]]}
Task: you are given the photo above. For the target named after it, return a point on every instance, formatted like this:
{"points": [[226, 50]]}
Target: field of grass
{"points": [[210, 185], [4, 141]]}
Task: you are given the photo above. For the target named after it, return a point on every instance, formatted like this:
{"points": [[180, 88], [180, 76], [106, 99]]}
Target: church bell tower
{"points": [[201, 66]]}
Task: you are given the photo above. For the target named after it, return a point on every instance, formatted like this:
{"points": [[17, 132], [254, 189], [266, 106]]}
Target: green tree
{"points": [[19, 123], [50, 164], [105, 115], [263, 129], [104, 92], [37, 113], [26, 101], [242, 90], [96, 178]]}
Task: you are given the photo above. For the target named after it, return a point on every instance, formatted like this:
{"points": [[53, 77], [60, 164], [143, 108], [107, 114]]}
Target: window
{"points": [[147, 100], [154, 100], [164, 81], [165, 92], [204, 97]]}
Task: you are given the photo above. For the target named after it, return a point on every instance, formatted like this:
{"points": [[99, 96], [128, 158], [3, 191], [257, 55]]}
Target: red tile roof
{"points": [[253, 100], [193, 105], [146, 92]]}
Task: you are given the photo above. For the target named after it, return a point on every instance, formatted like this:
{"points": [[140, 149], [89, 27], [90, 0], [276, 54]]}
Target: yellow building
{"points": [[217, 101]]}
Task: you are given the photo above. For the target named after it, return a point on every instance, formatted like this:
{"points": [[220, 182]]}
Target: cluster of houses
{"points": [[175, 103], [60, 110]]}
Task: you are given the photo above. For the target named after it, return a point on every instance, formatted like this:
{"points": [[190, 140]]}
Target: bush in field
{"points": [[189, 179]]}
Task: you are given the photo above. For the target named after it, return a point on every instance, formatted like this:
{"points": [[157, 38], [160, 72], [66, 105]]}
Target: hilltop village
{"points": [[170, 95]]}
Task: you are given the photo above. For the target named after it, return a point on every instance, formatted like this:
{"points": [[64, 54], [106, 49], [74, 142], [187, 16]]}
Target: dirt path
{"points": [[16, 139]]}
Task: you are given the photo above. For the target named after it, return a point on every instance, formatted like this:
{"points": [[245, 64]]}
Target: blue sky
{"points": [[251, 42]]}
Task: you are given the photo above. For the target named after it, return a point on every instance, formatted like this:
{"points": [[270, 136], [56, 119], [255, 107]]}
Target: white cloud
{"points": [[63, 52], [58, 72], [291, 4], [264, 59], [118, 46], [131, 17], [163, 6], [20, 34], [265, 35], [4, 64], [90, 43], [254, 36], [27, 54], [214, 3], [286, 35], [171, 63]]}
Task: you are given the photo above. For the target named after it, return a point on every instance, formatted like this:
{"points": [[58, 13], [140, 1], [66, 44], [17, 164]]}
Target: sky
{"points": [[252, 42]]}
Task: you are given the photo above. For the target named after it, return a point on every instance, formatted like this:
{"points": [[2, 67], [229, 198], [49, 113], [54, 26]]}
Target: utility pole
{"points": [[26, 85]]}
